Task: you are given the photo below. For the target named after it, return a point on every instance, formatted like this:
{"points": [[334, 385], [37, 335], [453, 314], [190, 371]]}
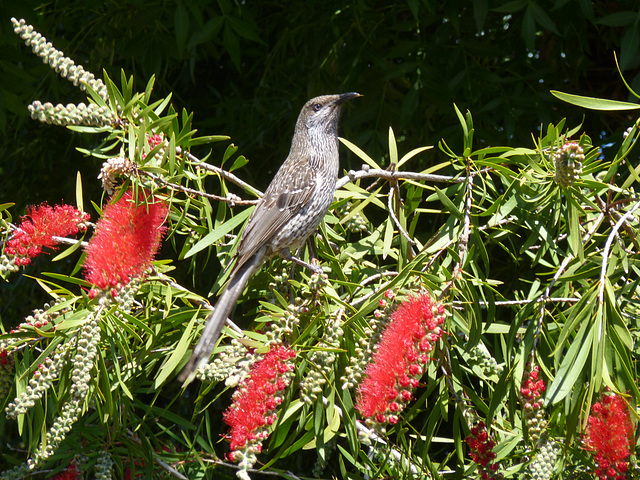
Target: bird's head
{"points": [[322, 113]]}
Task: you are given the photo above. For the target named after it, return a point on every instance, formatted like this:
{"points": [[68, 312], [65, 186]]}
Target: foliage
{"points": [[535, 274]]}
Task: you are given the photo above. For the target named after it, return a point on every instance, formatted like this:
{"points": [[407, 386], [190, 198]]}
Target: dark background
{"points": [[245, 69]]}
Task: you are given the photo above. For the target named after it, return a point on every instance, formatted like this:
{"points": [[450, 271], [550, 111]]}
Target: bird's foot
{"points": [[313, 266]]}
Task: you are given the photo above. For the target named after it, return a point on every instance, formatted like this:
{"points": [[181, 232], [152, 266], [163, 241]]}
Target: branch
{"points": [[607, 247], [223, 173], [394, 175], [231, 198]]}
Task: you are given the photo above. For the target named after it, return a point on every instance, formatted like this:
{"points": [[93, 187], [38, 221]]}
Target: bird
{"points": [[290, 210]]}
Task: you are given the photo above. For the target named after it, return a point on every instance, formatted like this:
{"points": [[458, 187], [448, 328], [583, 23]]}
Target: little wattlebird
{"points": [[291, 209]]}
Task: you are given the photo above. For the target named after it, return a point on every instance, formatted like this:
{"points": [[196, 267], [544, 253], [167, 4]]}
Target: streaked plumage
{"points": [[290, 210]]}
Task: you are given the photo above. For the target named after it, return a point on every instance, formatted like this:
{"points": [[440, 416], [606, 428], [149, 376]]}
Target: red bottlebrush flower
{"points": [[38, 229], [69, 474], [531, 392], [413, 329], [255, 401], [155, 140], [125, 241], [610, 436], [532, 387], [481, 445]]}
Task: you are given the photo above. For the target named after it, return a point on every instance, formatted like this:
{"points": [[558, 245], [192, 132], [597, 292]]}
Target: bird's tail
{"points": [[216, 320]]}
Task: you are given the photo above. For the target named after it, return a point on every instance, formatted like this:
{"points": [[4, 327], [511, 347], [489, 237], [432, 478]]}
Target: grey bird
{"points": [[291, 209]]}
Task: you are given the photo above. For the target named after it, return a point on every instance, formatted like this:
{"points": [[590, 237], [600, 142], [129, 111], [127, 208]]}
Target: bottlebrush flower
{"points": [[125, 241], [610, 437], [71, 473], [398, 363], [254, 404], [38, 229], [481, 445], [531, 396]]}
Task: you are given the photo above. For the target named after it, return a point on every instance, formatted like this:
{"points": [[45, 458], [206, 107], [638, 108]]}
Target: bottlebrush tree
{"points": [[475, 320]]}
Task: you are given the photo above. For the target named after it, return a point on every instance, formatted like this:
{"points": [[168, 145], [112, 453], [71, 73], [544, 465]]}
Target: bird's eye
{"points": [[317, 107]]}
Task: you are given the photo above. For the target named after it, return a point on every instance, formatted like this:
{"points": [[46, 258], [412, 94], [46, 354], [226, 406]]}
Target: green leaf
{"points": [[412, 154], [181, 24], [393, 148], [358, 151], [239, 162], [572, 364], [574, 233], [79, 201], [542, 18], [177, 355], [219, 232], [67, 252], [618, 19], [448, 204], [388, 238], [208, 139], [594, 103]]}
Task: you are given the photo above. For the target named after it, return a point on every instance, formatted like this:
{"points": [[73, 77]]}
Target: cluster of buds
{"points": [[254, 405], [369, 341], [91, 115], [279, 284], [399, 362], [322, 360], [42, 379], [285, 324], [610, 437], [531, 392], [568, 163], [154, 141], [39, 228], [543, 466], [231, 365], [83, 361], [64, 66], [318, 281], [40, 319], [479, 355], [482, 454], [104, 467], [355, 223], [7, 363], [113, 167]]}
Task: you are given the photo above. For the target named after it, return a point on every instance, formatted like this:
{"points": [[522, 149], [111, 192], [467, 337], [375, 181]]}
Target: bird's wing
{"points": [[290, 189]]}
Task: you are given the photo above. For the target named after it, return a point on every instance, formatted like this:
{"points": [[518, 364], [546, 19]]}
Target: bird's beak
{"points": [[347, 96]]}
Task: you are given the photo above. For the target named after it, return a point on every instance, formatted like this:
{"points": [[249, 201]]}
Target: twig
{"points": [[287, 474], [544, 299], [511, 303], [164, 465], [231, 199], [372, 435], [463, 239], [374, 292], [223, 173], [607, 247], [395, 219], [395, 175]]}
